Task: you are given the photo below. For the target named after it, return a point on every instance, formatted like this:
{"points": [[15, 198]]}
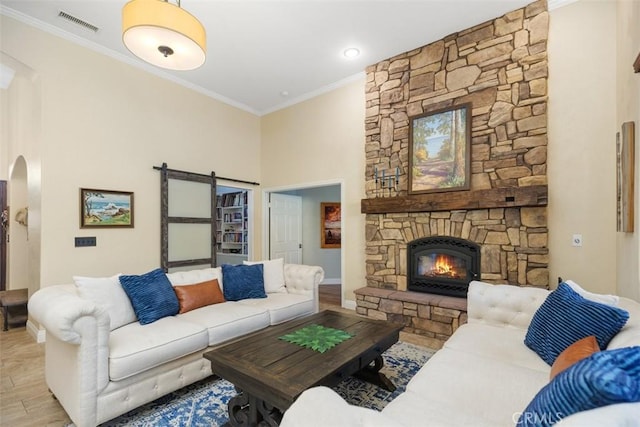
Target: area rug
{"points": [[205, 403]]}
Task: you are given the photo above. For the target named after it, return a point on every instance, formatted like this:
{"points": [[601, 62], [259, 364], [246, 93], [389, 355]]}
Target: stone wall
{"points": [[500, 67], [435, 317], [513, 243]]}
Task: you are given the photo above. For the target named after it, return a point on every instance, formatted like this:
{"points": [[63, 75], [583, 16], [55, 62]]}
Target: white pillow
{"points": [[192, 277], [611, 300], [107, 292], [273, 273]]}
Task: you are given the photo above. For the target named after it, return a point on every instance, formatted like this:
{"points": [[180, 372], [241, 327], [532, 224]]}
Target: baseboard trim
{"points": [[39, 335], [331, 281], [349, 304]]}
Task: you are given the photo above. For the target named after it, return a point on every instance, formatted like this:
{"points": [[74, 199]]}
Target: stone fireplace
{"points": [[500, 68], [442, 265]]}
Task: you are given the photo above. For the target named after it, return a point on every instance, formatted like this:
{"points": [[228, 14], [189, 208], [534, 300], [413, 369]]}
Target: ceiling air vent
{"points": [[78, 21]]}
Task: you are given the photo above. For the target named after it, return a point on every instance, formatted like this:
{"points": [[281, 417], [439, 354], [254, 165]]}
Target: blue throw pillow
{"points": [[604, 378], [242, 282], [565, 317], [151, 295]]}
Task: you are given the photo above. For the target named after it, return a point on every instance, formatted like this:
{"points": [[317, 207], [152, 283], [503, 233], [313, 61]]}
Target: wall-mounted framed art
{"points": [[106, 208], [330, 225], [440, 150], [625, 143]]}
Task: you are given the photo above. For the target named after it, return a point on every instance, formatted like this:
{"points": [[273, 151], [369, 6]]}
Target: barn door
{"points": [[188, 219]]}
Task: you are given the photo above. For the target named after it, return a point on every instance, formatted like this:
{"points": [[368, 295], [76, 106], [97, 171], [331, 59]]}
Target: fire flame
{"points": [[442, 266]]}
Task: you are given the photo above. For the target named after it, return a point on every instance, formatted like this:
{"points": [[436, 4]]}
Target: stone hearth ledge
{"points": [[435, 317]]}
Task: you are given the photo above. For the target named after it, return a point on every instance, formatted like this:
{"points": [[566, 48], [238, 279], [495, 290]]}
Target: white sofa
{"points": [[97, 373], [483, 376]]}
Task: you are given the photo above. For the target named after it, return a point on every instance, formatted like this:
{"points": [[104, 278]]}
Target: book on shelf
{"points": [[232, 238], [232, 212], [232, 199]]}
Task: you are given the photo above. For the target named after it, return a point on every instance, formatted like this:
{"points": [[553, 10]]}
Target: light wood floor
{"points": [[329, 296], [24, 398]]}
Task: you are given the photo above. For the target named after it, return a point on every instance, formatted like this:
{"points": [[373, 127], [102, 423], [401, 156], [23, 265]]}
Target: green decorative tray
{"points": [[317, 337]]}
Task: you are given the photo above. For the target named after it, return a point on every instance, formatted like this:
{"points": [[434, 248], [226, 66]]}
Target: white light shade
{"points": [[163, 34]]}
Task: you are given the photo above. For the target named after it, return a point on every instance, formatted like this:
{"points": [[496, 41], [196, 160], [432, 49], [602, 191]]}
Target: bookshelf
{"points": [[231, 225]]}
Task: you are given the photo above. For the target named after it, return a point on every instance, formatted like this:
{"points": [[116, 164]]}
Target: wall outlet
{"points": [[85, 241], [576, 240]]}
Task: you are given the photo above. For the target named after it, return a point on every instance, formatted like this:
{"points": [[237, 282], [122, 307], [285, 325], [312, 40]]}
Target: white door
{"points": [[285, 228]]}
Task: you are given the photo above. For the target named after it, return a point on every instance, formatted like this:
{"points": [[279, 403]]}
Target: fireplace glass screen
{"points": [[442, 266]]}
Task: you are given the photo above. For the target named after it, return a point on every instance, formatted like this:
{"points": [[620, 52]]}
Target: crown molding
{"points": [[51, 29], [320, 91], [556, 4]]}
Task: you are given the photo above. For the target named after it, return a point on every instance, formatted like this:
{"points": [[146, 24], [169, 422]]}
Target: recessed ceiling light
{"points": [[351, 52], [284, 93]]}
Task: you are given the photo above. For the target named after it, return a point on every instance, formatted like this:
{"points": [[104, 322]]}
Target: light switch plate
{"points": [[85, 241]]}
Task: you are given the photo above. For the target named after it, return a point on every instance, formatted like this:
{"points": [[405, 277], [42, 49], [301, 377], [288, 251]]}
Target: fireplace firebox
{"points": [[442, 265]]}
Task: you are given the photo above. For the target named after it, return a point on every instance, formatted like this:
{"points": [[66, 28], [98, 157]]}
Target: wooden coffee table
{"points": [[269, 373]]}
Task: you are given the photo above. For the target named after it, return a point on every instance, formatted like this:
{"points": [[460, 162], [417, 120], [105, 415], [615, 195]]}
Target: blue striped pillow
{"points": [[151, 295], [565, 317], [604, 378]]}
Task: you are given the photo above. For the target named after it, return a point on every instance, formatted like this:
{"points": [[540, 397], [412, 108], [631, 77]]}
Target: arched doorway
{"points": [[20, 167]]}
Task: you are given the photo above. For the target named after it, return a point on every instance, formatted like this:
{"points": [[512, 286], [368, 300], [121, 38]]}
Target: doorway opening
{"points": [[233, 224], [292, 229], [4, 226]]}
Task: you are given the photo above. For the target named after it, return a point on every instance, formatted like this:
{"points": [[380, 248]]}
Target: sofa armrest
{"points": [[58, 311], [503, 305], [76, 349], [303, 279], [322, 407]]}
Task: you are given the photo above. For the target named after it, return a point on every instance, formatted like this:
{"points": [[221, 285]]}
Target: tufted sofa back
{"points": [[503, 305]]}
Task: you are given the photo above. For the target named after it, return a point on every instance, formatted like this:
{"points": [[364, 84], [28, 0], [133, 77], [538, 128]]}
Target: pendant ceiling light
{"points": [[163, 34]]}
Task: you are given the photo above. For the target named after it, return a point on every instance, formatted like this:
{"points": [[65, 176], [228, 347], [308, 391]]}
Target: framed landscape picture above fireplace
{"points": [[440, 150]]}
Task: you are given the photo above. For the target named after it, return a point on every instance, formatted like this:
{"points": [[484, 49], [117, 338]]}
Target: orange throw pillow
{"points": [[195, 296], [574, 353]]}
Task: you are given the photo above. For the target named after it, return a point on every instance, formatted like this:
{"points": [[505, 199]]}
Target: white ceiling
{"points": [[258, 49]]}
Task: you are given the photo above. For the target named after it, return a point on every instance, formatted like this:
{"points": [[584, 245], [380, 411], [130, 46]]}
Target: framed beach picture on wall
{"points": [[330, 225], [105, 208], [440, 150]]}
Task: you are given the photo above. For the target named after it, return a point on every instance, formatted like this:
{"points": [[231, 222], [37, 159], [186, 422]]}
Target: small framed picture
{"points": [[330, 225], [106, 208]]}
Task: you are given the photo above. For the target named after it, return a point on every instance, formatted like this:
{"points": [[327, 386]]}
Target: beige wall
{"points": [[318, 140], [581, 166], [628, 109], [105, 125]]}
